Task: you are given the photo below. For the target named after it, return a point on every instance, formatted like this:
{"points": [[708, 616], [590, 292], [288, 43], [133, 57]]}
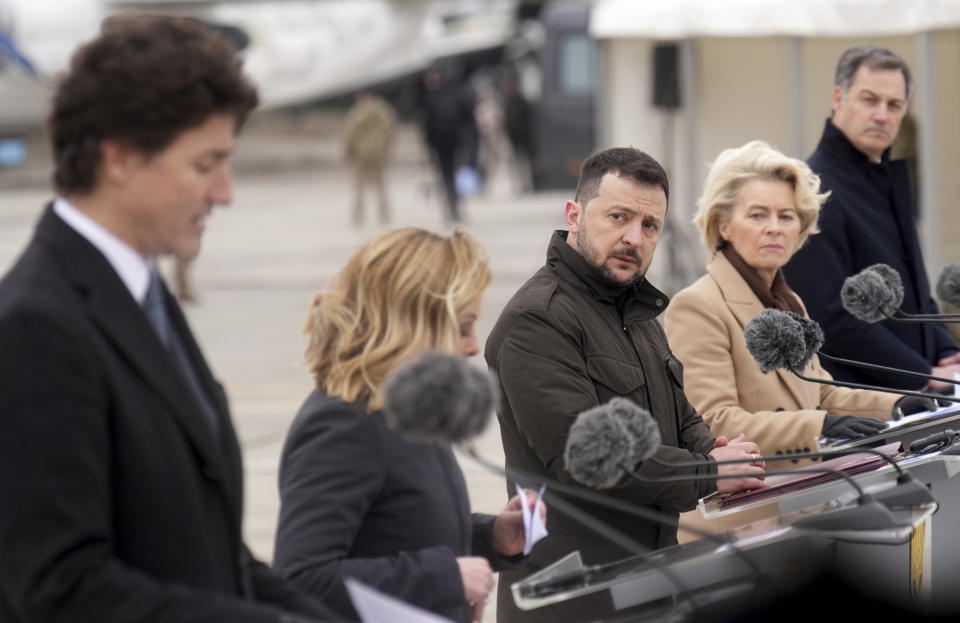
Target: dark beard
{"points": [[602, 270], [606, 275]]}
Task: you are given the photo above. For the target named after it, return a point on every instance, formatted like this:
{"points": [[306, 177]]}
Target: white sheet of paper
{"points": [[375, 607], [533, 527], [956, 388]]}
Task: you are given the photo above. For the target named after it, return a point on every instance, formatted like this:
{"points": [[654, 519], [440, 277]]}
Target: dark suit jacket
{"points": [[867, 220], [357, 500], [117, 502]]}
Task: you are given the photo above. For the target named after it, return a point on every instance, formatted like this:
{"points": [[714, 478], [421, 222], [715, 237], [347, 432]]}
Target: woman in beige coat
{"points": [[757, 209]]}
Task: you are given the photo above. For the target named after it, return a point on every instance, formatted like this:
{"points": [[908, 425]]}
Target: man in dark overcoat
{"points": [[869, 219], [121, 486]]}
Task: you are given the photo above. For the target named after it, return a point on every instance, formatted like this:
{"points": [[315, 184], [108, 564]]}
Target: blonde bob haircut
{"points": [[755, 160], [402, 293]]}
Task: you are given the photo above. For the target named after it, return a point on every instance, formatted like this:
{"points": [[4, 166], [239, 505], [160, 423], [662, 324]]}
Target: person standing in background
{"points": [[869, 219], [449, 128], [367, 136], [518, 122]]}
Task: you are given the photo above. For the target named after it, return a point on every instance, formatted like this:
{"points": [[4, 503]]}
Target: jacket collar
{"points": [[745, 306], [112, 308], [643, 301], [836, 144]]}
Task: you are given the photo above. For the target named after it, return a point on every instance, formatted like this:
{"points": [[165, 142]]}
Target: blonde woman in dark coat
{"points": [[357, 499]]}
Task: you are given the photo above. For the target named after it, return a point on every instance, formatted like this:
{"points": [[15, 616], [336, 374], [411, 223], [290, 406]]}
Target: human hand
{"points": [[952, 359], [478, 582], [908, 405], [946, 371], [508, 535], [738, 449], [850, 426]]}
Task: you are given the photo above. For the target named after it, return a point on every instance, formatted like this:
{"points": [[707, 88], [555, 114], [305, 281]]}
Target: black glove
{"points": [[850, 426], [908, 405], [944, 391]]}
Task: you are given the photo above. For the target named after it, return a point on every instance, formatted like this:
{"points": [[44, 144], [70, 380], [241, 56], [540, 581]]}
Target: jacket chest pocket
{"points": [[614, 377], [674, 371]]}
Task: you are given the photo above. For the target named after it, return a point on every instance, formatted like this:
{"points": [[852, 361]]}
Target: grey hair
{"points": [[873, 57]]}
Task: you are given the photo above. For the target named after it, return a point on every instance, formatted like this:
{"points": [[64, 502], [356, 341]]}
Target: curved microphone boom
{"points": [[412, 388], [597, 467], [783, 340], [876, 293], [868, 514]]}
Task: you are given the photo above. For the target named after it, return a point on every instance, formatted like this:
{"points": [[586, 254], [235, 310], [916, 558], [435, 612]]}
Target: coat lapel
{"points": [[745, 306], [124, 324], [227, 444]]}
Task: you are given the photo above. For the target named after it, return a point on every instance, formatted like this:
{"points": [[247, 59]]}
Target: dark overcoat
{"points": [[868, 219], [357, 500], [119, 504]]}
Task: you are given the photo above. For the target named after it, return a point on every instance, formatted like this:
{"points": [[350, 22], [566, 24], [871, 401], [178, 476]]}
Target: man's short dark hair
{"points": [[142, 82], [624, 162], [874, 58]]}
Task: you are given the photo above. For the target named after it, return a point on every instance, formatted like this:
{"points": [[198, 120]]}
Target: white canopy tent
{"points": [[799, 25], [683, 19]]}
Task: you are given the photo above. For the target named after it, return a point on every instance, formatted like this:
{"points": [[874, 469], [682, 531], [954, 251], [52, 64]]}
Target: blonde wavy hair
{"points": [[755, 160], [402, 293]]}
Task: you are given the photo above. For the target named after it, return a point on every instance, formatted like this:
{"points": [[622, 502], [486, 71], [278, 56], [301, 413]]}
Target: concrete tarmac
{"points": [[286, 235]]}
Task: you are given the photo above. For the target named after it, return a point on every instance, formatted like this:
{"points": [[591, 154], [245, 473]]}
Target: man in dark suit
{"points": [[120, 471], [869, 219]]}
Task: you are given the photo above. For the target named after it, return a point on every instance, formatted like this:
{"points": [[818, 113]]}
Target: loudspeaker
{"points": [[666, 75]]}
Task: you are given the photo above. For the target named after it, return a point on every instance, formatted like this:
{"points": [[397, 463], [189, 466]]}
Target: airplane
{"points": [[296, 51]]}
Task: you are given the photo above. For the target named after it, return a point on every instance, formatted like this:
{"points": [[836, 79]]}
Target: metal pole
{"points": [[927, 148], [795, 92]]}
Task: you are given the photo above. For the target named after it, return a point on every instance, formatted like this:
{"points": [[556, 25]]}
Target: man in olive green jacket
{"points": [[584, 330]]}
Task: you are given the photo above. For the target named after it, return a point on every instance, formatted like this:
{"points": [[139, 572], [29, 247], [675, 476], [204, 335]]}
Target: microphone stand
{"points": [[606, 501], [906, 492], [902, 392], [908, 317], [874, 366], [868, 514]]}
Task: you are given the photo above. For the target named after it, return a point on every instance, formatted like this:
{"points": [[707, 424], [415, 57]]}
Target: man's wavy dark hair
{"points": [[142, 82]]}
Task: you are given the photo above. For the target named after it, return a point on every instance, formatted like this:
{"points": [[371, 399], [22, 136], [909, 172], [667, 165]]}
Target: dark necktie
{"points": [[156, 310]]}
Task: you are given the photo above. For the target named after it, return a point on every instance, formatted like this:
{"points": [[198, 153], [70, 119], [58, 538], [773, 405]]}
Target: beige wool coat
{"points": [[777, 410], [780, 412]]}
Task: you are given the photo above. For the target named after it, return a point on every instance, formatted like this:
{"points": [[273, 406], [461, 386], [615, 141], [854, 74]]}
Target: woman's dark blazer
{"points": [[357, 500]]}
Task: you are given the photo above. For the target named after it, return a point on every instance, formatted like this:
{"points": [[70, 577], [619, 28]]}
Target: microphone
{"points": [[438, 397], [595, 452], [948, 285], [607, 436], [784, 340], [416, 407], [876, 293], [943, 439]]}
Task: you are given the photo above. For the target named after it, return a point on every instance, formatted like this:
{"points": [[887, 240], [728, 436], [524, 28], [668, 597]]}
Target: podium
{"points": [[770, 553], [781, 551], [943, 532]]}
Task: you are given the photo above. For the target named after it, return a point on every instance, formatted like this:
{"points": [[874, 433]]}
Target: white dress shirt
{"points": [[132, 268]]}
